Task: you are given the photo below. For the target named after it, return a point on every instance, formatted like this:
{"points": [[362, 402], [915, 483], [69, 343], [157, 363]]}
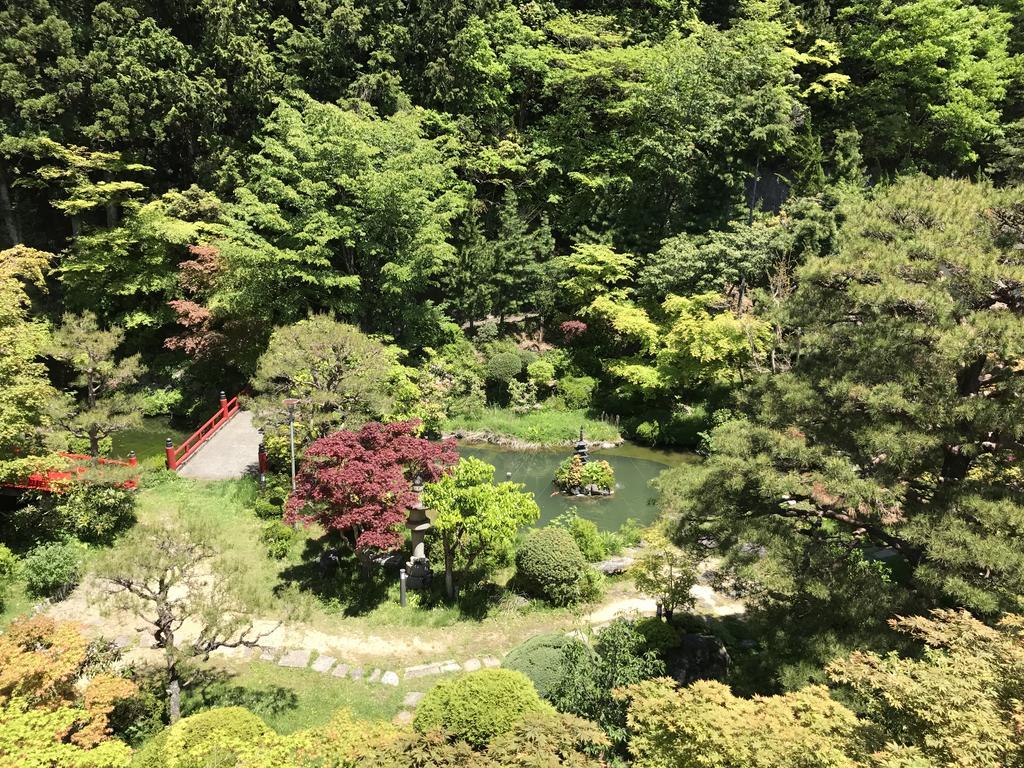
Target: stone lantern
{"points": [[418, 567], [581, 448]]}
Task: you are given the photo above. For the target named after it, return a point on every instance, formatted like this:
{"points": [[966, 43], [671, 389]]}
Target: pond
{"points": [[634, 467]]}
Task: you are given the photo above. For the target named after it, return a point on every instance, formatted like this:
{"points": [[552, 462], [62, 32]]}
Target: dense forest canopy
{"points": [[786, 234]]}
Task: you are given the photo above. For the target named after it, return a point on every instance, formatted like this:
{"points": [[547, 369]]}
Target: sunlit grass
{"points": [[538, 427]]}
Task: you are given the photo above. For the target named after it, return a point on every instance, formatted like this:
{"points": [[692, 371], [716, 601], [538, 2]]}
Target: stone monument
{"points": [[418, 568]]}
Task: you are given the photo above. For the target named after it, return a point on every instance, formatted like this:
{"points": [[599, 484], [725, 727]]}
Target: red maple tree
{"points": [[359, 483]]}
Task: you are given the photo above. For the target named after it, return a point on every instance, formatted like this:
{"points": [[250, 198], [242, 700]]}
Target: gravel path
{"points": [[229, 454]]}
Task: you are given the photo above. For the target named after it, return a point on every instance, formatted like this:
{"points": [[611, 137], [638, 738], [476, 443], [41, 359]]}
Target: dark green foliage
{"points": [[268, 508], [550, 566], [540, 659], [620, 656], [478, 706], [94, 512], [52, 570]]}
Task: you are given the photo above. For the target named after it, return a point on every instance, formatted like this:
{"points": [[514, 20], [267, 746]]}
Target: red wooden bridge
{"points": [[52, 480], [227, 446]]}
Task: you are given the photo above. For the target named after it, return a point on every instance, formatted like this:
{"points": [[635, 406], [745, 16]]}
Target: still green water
{"points": [[634, 467]]}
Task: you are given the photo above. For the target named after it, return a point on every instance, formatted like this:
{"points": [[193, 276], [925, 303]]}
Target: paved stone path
{"points": [[229, 454], [303, 658]]}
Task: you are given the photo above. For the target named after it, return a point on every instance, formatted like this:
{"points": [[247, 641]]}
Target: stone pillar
{"points": [[418, 567]]}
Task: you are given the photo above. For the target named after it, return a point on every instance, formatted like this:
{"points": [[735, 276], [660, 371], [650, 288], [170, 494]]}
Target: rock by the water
{"points": [[698, 657], [614, 565]]}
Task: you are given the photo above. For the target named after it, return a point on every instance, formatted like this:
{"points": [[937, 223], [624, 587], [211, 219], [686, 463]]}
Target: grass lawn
{"points": [[16, 602], [293, 699], [350, 604], [542, 428]]}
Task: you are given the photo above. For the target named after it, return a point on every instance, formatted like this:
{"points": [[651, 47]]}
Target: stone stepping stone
{"points": [[422, 670], [491, 662], [297, 659], [389, 678], [403, 718], [341, 670], [450, 666], [472, 665], [412, 698], [323, 663], [356, 673], [268, 654], [374, 676]]}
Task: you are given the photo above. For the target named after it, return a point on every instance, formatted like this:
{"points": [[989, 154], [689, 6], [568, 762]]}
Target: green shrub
{"points": [[267, 508], [277, 537], [478, 706], [588, 538], [550, 566], [612, 544], [541, 372], [540, 659], [159, 402], [503, 367], [659, 636], [53, 570], [522, 396], [646, 432], [631, 532], [94, 512], [216, 737], [577, 391]]}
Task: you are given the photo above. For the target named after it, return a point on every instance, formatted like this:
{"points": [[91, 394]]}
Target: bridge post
{"points": [[172, 463], [223, 403], [261, 455], [133, 460]]}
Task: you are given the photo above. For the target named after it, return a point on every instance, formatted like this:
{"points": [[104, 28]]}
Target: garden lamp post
{"points": [[290, 403]]}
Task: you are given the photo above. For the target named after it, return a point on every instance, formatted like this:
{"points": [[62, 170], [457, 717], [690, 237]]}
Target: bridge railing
{"points": [[177, 456], [45, 481]]}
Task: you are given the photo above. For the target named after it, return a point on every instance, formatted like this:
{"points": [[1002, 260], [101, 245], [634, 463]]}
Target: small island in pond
{"points": [[579, 475]]}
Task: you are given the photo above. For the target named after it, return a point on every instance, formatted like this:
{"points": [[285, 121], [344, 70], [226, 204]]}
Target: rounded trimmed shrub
{"points": [[540, 659], [478, 706], [53, 570], [215, 737], [550, 566], [504, 366]]}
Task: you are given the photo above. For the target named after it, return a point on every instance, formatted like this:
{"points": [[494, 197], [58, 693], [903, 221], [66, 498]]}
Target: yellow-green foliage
{"points": [[219, 737], [478, 706], [960, 704], [32, 738], [705, 725]]}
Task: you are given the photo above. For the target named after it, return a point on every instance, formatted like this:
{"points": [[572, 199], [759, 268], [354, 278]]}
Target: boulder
{"points": [[698, 657]]}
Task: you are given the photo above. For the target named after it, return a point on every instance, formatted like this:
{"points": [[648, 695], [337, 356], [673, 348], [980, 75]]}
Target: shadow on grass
{"points": [[354, 588], [216, 688]]}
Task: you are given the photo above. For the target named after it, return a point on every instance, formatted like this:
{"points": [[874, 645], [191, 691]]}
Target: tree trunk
{"points": [[449, 575], [7, 211], [94, 444], [173, 699]]}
